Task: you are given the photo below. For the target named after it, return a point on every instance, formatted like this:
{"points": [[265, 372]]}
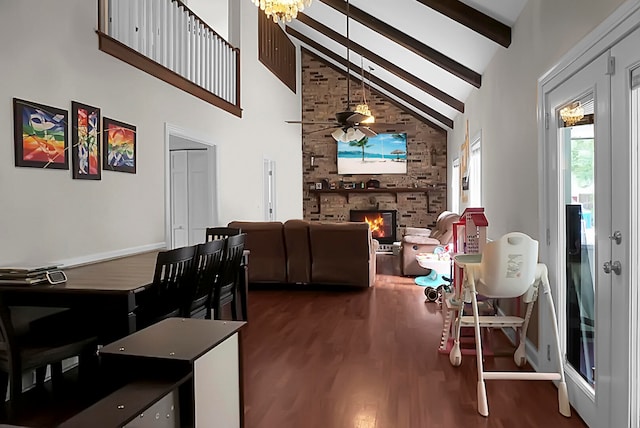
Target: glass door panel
{"points": [[578, 145]]}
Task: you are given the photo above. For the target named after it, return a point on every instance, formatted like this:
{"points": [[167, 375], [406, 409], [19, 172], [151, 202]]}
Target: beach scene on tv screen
{"points": [[382, 154]]}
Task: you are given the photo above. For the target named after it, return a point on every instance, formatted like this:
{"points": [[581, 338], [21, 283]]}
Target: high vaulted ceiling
{"points": [[428, 55]]}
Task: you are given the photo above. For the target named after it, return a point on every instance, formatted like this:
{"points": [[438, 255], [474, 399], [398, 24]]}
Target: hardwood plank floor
{"points": [[368, 358], [345, 358]]}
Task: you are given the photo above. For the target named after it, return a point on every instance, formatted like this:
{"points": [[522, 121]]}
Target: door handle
{"points": [[617, 236], [614, 267]]}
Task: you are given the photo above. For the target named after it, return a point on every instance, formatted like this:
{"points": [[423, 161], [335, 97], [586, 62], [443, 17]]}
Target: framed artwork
{"points": [[85, 148], [40, 135], [464, 167], [382, 154], [119, 146]]}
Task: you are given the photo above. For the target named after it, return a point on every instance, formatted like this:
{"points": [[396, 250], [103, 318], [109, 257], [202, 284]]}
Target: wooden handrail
{"points": [[182, 54]]}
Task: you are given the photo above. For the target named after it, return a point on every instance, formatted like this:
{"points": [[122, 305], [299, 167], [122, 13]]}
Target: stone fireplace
{"points": [[381, 222], [329, 196]]}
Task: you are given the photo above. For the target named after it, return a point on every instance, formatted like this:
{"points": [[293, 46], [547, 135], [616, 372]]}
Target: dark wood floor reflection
{"points": [[368, 358], [345, 358]]}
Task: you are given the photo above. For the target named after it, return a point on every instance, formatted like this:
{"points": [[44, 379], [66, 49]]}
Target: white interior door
{"points": [[179, 199], [191, 201], [199, 198], [580, 189]]}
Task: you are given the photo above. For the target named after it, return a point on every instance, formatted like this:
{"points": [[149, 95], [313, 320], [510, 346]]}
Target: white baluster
{"points": [[227, 82], [194, 49], [210, 62], [105, 6], [134, 40], [114, 19], [196, 54], [218, 64], [205, 58], [223, 93], [161, 31], [150, 13], [201, 55], [170, 36], [223, 66], [234, 73], [125, 25], [185, 44], [143, 35], [177, 20]]}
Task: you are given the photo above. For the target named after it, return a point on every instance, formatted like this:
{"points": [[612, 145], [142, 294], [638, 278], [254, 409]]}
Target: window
{"points": [[455, 186], [475, 173]]}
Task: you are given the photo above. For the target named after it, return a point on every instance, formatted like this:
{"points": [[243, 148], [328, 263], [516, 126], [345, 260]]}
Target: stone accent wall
{"points": [[323, 94]]}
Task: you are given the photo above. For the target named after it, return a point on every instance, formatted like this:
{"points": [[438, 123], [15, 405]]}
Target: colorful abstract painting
{"points": [[40, 135], [86, 141], [119, 146]]}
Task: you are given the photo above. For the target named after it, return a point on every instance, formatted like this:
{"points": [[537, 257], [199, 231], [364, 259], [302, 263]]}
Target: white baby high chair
{"points": [[509, 268]]}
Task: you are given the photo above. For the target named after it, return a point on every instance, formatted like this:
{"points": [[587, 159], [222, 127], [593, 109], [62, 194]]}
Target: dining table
{"points": [[103, 294]]}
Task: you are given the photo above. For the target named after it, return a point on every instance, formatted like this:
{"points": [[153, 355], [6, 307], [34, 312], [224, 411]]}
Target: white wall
{"points": [[49, 54], [214, 12], [504, 108]]}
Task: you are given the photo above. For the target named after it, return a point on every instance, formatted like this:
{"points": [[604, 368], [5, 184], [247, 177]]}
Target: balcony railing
{"points": [[166, 39]]}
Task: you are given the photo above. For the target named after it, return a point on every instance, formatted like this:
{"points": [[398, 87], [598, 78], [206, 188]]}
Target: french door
{"points": [[590, 159]]}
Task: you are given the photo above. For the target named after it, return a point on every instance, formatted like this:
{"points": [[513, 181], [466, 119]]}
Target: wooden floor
{"points": [[354, 358], [368, 358]]}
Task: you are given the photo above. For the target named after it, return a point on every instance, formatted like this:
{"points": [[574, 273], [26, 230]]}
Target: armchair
{"points": [[417, 240]]}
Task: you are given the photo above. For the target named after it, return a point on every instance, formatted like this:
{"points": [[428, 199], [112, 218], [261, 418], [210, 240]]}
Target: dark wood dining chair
{"points": [[227, 285], [23, 349], [167, 295], [206, 269], [221, 233]]}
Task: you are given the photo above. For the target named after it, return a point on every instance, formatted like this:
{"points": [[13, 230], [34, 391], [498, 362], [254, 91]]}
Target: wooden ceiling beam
{"points": [[396, 103], [408, 42], [418, 105], [472, 18], [383, 63]]}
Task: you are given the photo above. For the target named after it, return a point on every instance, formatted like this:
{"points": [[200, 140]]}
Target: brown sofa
{"points": [[303, 252]]}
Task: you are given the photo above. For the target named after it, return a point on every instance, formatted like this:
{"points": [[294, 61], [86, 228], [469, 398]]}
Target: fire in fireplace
{"points": [[381, 222]]}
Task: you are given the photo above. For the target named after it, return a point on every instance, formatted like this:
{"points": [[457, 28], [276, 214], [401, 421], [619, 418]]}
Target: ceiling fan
{"points": [[350, 124]]}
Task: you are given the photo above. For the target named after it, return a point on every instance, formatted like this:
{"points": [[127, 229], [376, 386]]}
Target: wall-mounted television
{"points": [[382, 154]]}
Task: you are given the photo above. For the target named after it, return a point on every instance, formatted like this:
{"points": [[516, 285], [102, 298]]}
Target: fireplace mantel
{"points": [[392, 190]]}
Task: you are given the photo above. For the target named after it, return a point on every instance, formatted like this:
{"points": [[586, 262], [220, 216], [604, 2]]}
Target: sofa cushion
{"points": [[416, 231], [443, 231], [268, 256], [296, 237], [341, 253], [417, 239]]}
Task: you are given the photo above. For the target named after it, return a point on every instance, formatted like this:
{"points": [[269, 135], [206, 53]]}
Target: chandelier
{"points": [[572, 113], [283, 10], [364, 107]]}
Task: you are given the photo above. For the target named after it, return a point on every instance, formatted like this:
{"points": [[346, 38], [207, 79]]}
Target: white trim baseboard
{"points": [[108, 255]]}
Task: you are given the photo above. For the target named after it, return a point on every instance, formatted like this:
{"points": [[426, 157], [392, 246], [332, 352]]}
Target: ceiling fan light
{"points": [[337, 134], [351, 134]]}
